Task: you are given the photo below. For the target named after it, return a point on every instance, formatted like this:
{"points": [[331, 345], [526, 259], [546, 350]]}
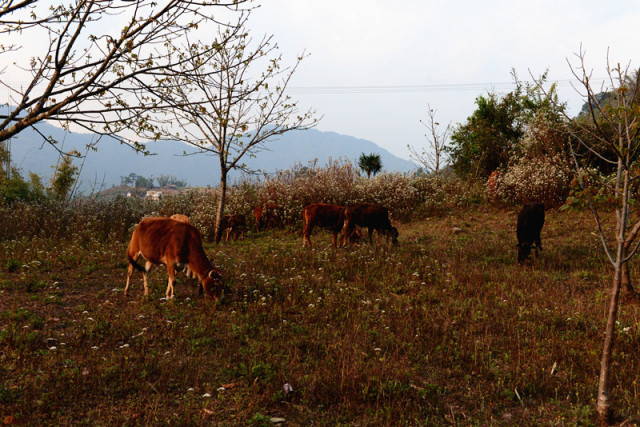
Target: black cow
{"points": [[370, 215], [530, 222]]}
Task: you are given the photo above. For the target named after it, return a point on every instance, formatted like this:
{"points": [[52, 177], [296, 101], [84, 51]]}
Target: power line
{"points": [[451, 87]]}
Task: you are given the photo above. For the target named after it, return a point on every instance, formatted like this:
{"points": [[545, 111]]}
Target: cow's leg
{"points": [[172, 275], [347, 229], [370, 232], [306, 235], [145, 276], [335, 238], [129, 272]]}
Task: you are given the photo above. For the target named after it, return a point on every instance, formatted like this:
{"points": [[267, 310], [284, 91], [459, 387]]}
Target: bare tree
{"points": [[611, 133], [432, 157], [98, 63], [231, 99]]}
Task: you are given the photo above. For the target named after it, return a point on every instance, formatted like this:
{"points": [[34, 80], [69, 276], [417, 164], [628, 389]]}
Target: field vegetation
{"points": [[445, 328]]}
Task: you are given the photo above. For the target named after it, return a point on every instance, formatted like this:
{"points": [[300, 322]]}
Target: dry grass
{"points": [[444, 329]]}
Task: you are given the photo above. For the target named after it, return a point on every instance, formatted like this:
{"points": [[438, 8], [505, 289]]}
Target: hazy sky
{"points": [[375, 65]]}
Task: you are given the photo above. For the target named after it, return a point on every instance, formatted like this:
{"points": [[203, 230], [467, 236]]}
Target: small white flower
{"points": [[206, 395]]}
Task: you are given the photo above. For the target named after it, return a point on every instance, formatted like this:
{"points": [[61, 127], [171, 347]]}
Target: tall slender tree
{"points": [[612, 133], [432, 157], [230, 100]]}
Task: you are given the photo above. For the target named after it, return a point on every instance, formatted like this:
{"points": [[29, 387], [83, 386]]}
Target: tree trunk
{"points": [[603, 404], [221, 202]]}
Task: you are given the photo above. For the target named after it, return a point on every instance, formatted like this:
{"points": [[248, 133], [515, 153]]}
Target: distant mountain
{"points": [[114, 160]]}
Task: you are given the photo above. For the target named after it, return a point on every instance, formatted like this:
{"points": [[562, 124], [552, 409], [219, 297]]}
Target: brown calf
{"points": [[370, 215], [325, 215], [175, 244], [265, 215], [234, 224]]}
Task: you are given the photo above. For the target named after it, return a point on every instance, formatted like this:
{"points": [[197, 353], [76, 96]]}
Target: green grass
{"points": [[446, 328]]}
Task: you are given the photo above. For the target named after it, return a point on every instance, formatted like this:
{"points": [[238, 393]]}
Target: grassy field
{"points": [[444, 329]]}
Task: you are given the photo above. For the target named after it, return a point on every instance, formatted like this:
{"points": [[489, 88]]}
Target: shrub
{"points": [[542, 180]]}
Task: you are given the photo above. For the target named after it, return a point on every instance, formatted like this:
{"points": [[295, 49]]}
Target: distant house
{"points": [[152, 194]]}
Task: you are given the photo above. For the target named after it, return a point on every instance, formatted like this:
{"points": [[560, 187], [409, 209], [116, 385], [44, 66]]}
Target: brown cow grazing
{"points": [[234, 224], [175, 244], [180, 218], [325, 215], [265, 215], [370, 215], [530, 222]]}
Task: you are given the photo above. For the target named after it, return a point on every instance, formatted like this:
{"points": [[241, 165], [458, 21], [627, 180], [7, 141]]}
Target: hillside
{"points": [[114, 160]]}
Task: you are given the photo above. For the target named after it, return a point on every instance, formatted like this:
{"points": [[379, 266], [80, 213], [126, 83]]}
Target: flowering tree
{"points": [[229, 99], [89, 71]]}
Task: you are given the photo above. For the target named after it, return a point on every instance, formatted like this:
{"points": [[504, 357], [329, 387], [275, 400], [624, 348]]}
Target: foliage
{"points": [[165, 180], [137, 181], [487, 140], [406, 196], [539, 166], [17, 188], [64, 178], [545, 180], [371, 164]]}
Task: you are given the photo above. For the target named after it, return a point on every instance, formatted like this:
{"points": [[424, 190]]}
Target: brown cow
{"points": [[175, 244], [234, 224], [370, 215], [325, 215], [180, 218], [265, 215]]}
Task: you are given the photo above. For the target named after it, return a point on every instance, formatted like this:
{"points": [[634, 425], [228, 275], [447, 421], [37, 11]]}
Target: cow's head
{"points": [[355, 236], [524, 249], [212, 284], [393, 234]]}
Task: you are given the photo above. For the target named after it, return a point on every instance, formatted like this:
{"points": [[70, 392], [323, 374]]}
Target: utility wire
{"points": [[453, 87]]}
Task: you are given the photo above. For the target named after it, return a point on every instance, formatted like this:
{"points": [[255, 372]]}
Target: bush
{"points": [[541, 180], [86, 219]]}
